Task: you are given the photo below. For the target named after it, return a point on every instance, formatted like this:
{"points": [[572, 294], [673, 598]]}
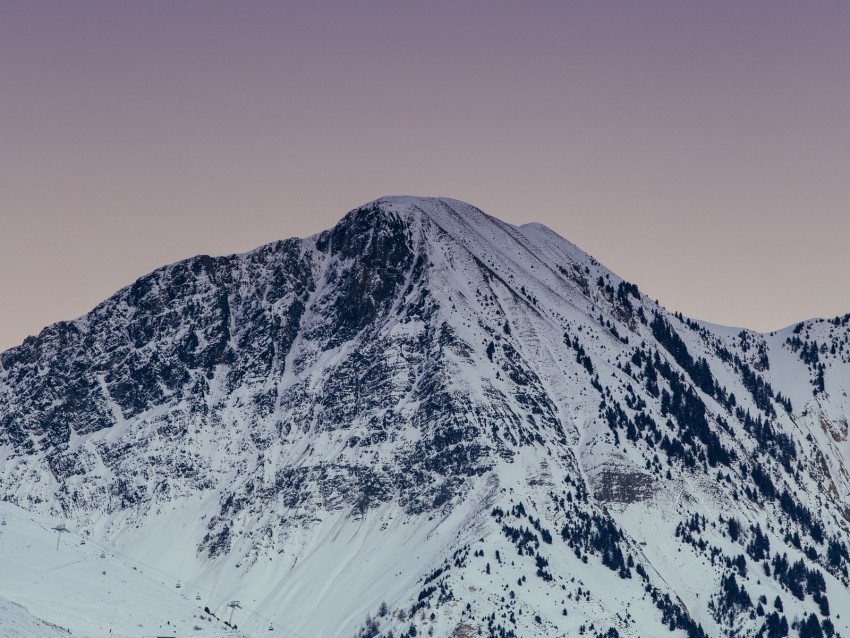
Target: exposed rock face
{"points": [[623, 486], [422, 366]]}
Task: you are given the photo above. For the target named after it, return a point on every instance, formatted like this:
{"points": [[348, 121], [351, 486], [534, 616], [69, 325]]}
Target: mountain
{"points": [[428, 421]]}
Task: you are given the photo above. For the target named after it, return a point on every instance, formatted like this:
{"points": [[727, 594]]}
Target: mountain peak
{"points": [[424, 203], [444, 211], [407, 201], [428, 407]]}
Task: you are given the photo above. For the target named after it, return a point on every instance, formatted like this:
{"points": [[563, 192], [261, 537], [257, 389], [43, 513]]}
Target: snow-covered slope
{"points": [[17, 622], [86, 589], [444, 423]]}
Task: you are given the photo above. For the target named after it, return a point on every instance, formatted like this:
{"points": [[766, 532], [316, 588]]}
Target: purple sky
{"points": [[699, 149]]}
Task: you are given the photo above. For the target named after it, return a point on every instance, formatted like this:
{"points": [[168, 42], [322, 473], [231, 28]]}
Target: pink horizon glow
{"points": [[700, 150]]}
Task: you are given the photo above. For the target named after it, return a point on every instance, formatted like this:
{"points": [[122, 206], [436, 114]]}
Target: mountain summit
{"points": [[427, 421]]}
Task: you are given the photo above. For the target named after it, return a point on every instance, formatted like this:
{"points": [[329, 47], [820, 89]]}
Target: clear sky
{"points": [[699, 149]]}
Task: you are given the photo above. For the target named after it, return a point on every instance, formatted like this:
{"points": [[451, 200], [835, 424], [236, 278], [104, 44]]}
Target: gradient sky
{"points": [[699, 149]]}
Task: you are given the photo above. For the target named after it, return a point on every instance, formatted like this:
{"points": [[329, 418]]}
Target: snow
{"points": [[502, 308], [86, 588]]}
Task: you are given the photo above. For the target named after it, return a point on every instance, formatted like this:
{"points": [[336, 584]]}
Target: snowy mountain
{"points": [[425, 420]]}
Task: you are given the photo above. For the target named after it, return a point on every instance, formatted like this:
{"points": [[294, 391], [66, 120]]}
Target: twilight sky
{"points": [[699, 149]]}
